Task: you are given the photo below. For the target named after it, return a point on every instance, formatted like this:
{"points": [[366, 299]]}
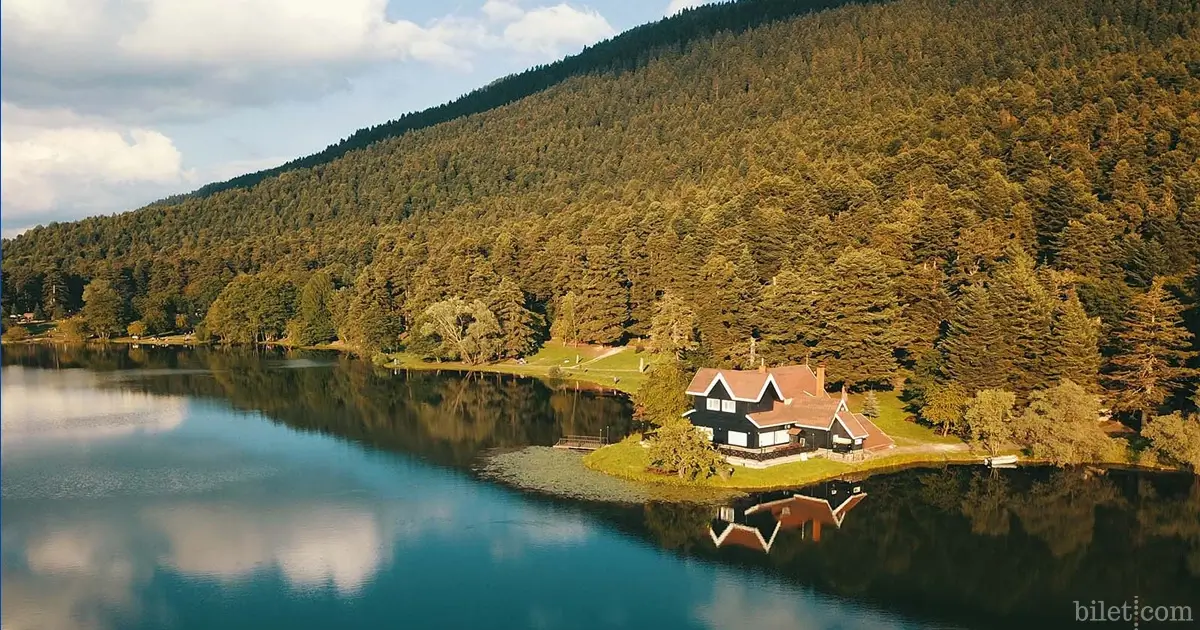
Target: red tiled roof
{"points": [[853, 423], [793, 381], [816, 413], [876, 438], [796, 380], [743, 384]]}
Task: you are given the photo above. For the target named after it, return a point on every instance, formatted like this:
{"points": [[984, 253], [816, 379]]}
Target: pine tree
{"points": [[518, 325], [1153, 354], [861, 313], [673, 329], [789, 328], [719, 310], [870, 407], [1023, 309], [972, 343], [566, 319], [1075, 345], [54, 294], [374, 321], [603, 307]]}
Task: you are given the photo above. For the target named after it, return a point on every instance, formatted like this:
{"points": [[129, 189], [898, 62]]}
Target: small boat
{"points": [[1001, 460]]}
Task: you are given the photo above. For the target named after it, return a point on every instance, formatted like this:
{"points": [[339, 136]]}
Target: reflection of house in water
{"points": [[756, 523]]}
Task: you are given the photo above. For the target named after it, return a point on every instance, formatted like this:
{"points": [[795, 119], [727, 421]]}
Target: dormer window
{"points": [[713, 404], [728, 406]]}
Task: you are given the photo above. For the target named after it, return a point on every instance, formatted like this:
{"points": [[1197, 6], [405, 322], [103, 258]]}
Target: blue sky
{"points": [[110, 104]]}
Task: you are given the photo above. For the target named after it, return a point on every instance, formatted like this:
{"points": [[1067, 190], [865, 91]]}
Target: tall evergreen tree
{"points": [[518, 324], [603, 307], [673, 329], [1023, 309], [55, 297], [1075, 345], [972, 343], [861, 313], [787, 312], [374, 321], [566, 319], [1154, 348], [718, 295]]}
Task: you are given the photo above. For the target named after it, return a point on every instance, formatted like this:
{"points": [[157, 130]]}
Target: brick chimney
{"points": [[762, 366], [820, 378]]}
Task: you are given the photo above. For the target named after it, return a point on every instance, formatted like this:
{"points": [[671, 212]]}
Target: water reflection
{"points": [[447, 417], [135, 496], [755, 522]]}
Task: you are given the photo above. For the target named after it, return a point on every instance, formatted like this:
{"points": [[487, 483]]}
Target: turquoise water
{"points": [[177, 489]]}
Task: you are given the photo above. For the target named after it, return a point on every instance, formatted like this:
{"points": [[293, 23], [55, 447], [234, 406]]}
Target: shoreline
{"points": [[600, 381], [625, 463]]}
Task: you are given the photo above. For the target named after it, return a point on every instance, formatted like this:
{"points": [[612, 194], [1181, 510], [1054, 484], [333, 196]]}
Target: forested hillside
{"points": [[970, 195]]}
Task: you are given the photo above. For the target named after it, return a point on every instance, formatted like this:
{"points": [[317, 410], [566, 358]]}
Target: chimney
{"points": [[843, 392], [816, 531], [762, 366], [820, 378]]}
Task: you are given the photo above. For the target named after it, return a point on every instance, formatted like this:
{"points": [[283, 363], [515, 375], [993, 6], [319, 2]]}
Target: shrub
{"points": [[16, 333], [679, 448]]}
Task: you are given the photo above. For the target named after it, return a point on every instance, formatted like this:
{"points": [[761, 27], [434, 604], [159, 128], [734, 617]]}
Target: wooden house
{"points": [[775, 412]]}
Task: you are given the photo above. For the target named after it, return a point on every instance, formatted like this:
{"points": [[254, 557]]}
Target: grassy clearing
{"points": [[628, 460], [609, 367], [892, 421]]}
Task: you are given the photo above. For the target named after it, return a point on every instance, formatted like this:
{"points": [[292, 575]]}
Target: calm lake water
{"points": [[162, 488]]}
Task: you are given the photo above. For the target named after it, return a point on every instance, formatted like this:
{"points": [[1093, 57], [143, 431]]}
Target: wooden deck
{"points": [[580, 442]]}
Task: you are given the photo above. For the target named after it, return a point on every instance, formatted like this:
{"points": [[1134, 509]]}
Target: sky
{"points": [[106, 105]]}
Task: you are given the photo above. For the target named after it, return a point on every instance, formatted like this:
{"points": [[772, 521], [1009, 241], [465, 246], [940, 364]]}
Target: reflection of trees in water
{"points": [[970, 546], [447, 417]]}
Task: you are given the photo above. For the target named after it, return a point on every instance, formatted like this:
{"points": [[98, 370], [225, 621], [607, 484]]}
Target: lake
{"points": [[212, 488]]}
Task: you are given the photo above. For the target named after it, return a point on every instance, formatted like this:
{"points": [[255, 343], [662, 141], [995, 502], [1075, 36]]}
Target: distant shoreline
{"points": [[599, 378]]}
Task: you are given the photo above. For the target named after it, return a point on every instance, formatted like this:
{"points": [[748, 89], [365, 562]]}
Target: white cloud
{"points": [[55, 158], [502, 10], [549, 29], [89, 84], [678, 5]]}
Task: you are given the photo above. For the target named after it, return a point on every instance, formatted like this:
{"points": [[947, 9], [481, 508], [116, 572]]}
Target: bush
{"points": [[1175, 438], [554, 372], [679, 448], [71, 330], [136, 329], [16, 333]]}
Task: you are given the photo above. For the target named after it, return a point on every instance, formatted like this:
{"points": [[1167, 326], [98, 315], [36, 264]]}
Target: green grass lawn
{"points": [[628, 459], [892, 421]]}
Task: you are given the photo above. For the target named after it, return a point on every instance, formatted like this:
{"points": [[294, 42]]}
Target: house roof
{"points": [[748, 536], [796, 381], [793, 381], [793, 512], [745, 385], [814, 413]]}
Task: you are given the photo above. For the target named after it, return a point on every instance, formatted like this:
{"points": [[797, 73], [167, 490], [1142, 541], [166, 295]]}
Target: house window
{"points": [[726, 514], [706, 432], [766, 439], [713, 404], [782, 437], [728, 406], [737, 438]]}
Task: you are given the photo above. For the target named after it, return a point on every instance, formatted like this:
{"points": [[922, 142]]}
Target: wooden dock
{"points": [[580, 442]]}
